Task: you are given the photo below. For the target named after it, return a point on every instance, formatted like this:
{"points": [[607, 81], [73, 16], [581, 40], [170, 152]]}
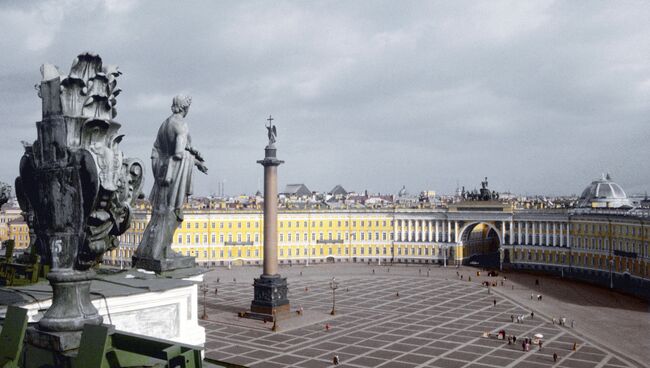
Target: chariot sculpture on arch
{"points": [[173, 159]]}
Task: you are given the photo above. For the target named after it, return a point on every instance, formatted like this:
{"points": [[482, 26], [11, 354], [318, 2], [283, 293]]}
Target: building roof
{"points": [[604, 192], [338, 190], [296, 190]]}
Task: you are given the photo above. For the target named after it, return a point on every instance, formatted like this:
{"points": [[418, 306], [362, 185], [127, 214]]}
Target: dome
{"points": [[604, 193]]}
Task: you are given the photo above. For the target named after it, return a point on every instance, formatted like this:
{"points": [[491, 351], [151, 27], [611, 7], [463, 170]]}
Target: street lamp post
{"points": [[500, 259], [204, 290], [444, 254], [611, 273], [333, 285]]}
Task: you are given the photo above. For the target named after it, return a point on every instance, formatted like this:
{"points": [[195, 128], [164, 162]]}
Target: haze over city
{"points": [[541, 97]]}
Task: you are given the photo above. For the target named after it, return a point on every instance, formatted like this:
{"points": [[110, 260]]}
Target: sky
{"points": [[539, 96]]}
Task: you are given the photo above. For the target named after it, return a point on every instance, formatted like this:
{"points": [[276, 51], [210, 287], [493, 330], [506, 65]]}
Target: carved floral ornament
{"points": [[78, 130]]}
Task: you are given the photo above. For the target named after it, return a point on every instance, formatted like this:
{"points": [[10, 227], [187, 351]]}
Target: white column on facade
{"points": [[526, 233], [555, 234], [503, 232], [568, 235], [437, 231], [423, 231], [547, 233], [518, 232], [403, 230], [394, 230], [448, 231], [456, 239], [512, 232], [409, 230], [533, 234], [416, 230], [561, 235]]}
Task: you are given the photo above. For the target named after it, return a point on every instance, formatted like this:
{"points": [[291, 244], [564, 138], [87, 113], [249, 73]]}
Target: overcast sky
{"points": [[540, 96]]}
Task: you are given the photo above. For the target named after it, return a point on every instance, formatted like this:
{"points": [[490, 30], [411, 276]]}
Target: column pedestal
{"points": [[270, 295]]}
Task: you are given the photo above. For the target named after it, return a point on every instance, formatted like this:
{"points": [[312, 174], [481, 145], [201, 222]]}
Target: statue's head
{"points": [[181, 104]]}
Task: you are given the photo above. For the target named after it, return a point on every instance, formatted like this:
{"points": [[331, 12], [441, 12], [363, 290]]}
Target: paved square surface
{"points": [[434, 322]]}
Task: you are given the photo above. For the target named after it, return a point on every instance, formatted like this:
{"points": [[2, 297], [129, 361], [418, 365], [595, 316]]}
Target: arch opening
{"points": [[481, 242]]}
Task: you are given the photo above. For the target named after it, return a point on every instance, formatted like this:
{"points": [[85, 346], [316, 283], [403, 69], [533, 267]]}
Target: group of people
{"points": [[562, 321], [520, 318]]}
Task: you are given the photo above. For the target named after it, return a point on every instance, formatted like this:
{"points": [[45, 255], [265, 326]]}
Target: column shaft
{"points": [[270, 220]]}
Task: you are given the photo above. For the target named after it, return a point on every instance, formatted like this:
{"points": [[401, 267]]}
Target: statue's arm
{"points": [[181, 140]]}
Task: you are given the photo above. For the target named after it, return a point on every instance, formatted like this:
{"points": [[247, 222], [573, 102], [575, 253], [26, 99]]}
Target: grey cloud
{"points": [[539, 96]]}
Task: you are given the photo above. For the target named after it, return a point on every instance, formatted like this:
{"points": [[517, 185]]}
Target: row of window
{"points": [[290, 237], [584, 260], [616, 229], [282, 224], [320, 251], [601, 244]]}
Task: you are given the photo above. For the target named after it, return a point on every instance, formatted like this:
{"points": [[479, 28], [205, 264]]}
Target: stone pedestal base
{"points": [[59, 342], [270, 295], [164, 265], [71, 307]]}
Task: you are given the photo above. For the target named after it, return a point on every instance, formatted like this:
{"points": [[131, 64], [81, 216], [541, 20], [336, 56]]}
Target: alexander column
{"points": [[270, 288]]}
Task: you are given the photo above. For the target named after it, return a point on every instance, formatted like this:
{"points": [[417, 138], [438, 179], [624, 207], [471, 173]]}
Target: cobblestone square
{"points": [[436, 321]]}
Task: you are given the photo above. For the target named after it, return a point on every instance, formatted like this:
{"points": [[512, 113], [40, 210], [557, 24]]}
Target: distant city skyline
{"points": [[541, 97]]}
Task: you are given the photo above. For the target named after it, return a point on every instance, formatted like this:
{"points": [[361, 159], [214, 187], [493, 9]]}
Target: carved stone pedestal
{"points": [[270, 295], [163, 265], [71, 306]]}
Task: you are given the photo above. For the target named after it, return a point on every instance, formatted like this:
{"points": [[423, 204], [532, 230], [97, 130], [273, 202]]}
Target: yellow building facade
{"points": [[235, 237]]}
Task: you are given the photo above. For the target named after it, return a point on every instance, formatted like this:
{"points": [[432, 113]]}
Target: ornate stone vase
{"points": [[76, 186]]}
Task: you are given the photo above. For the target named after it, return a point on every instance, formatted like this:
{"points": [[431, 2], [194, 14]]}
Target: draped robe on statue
{"points": [[172, 169]]}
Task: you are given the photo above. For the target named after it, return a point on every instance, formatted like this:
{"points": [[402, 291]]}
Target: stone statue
{"points": [[272, 132], [75, 187], [172, 159]]}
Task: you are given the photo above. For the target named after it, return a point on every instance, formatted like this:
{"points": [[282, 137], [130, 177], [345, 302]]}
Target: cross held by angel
{"points": [[272, 132]]}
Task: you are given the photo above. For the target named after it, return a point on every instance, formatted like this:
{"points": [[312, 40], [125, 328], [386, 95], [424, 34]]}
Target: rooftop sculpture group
{"points": [[483, 195], [75, 184]]}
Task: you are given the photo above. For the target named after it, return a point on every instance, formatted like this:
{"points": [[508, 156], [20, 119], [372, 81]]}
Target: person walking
{"points": [[540, 345], [336, 360], [554, 357], [532, 315], [494, 301], [512, 318]]}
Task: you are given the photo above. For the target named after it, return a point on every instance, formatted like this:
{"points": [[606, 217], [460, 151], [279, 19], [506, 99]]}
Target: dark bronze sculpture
{"points": [[483, 195], [75, 186], [5, 193], [173, 159]]}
